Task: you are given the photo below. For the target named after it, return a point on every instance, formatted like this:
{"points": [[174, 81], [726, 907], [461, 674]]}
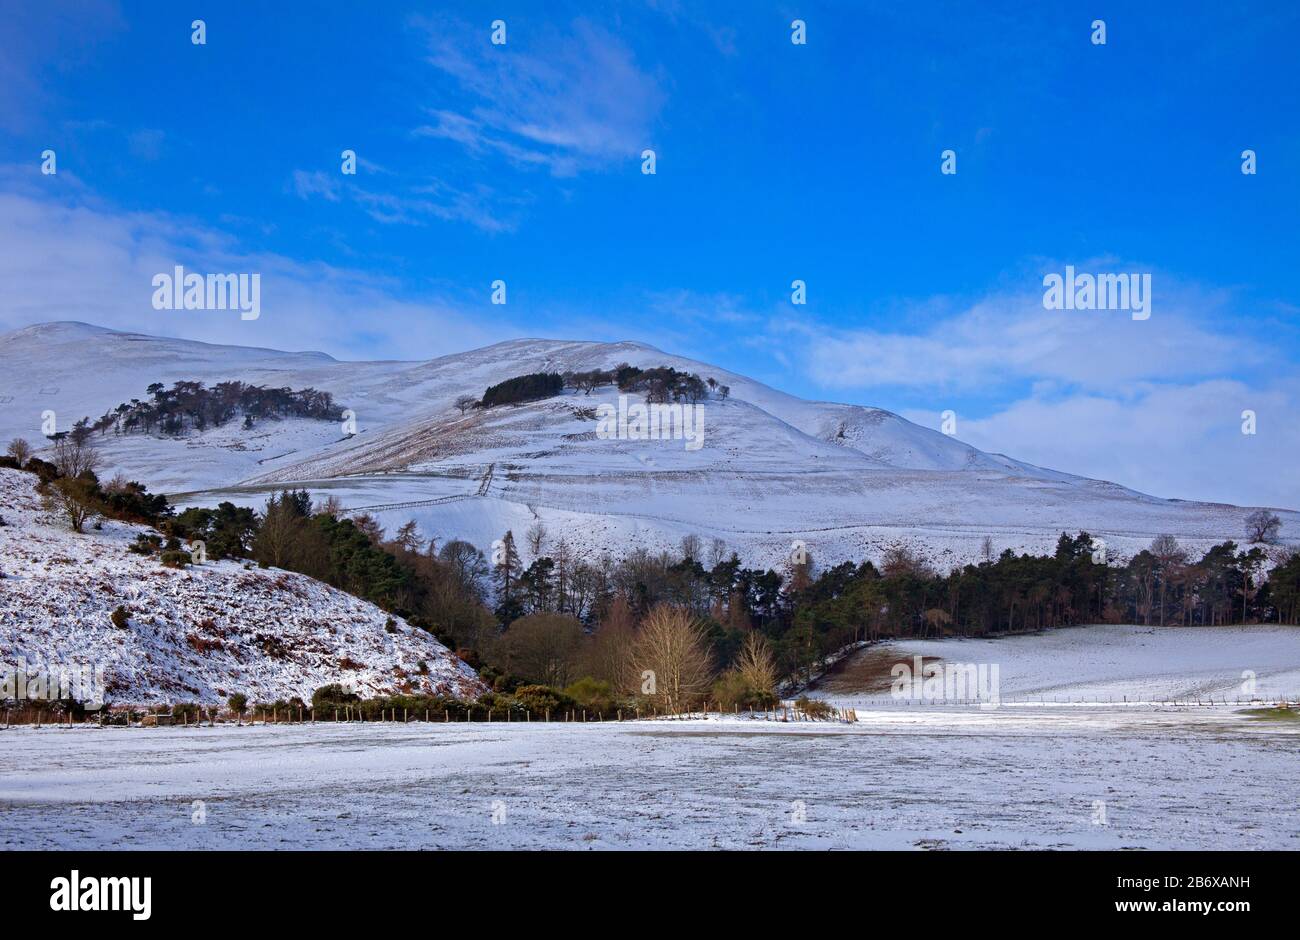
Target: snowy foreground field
{"points": [[1055, 774], [900, 778]]}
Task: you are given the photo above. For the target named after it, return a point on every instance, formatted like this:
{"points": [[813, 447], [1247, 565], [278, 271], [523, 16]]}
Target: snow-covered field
{"points": [[1098, 664], [1143, 778], [927, 776]]}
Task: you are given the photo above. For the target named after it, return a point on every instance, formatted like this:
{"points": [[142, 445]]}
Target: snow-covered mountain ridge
{"points": [[847, 480]]}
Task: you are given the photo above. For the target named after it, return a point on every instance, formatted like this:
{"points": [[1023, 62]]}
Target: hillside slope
{"points": [[847, 480], [197, 635]]}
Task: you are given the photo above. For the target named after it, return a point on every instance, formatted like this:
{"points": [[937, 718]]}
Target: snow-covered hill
{"points": [[847, 480], [199, 634]]}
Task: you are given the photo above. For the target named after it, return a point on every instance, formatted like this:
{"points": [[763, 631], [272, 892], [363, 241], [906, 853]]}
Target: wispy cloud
{"points": [[585, 103], [147, 143], [1009, 337], [417, 204]]}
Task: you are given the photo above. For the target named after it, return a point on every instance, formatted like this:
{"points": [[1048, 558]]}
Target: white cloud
{"points": [[69, 258], [1155, 405], [1172, 440], [421, 202], [584, 103], [316, 183], [1010, 337]]}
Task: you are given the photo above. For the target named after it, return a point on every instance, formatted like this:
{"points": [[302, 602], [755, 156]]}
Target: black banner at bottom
{"points": [[150, 890]]}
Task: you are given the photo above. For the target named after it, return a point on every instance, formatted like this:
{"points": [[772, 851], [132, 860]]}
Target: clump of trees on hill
{"points": [[191, 406], [660, 384], [71, 490], [531, 387]]}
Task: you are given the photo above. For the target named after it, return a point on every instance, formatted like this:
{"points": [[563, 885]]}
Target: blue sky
{"points": [[775, 162]]}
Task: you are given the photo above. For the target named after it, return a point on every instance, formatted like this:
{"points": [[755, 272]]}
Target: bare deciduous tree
{"points": [[20, 450], [542, 647], [1263, 526], [535, 538], [465, 402], [608, 655], [329, 506], [1169, 556], [73, 498], [468, 566], [901, 559], [671, 661], [73, 457], [757, 665], [937, 618]]}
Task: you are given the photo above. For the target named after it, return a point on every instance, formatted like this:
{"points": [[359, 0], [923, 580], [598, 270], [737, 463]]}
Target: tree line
{"points": [[660, 384], [678, 627], [192, 406]]}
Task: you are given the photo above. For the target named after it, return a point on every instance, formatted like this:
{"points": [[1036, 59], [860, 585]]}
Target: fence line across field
{"points": [[783, 711]]}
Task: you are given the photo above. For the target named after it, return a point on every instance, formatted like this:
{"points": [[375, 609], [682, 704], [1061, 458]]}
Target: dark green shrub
{"points": [[332, 696], [522, 388], [540, 699], [175, 559], [145, 544], [593, 694]]}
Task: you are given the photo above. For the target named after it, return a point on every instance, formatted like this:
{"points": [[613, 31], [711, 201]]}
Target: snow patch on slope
{"points": [[200, 634]]}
